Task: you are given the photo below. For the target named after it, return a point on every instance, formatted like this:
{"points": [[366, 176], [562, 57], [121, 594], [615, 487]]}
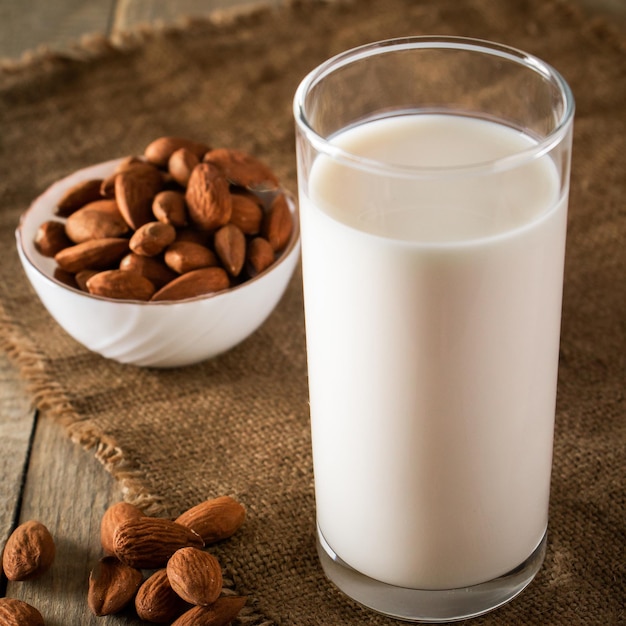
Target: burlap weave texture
{"points": [[239, 424]]}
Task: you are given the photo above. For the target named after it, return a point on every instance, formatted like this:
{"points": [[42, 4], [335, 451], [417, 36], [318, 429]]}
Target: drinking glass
{"points": [[433, 177]]}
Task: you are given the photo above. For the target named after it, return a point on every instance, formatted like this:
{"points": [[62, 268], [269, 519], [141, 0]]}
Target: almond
{"points": [[148, 542], [152, 238], [29, 551], [135, 188], [92, 254], [67, 278], [160, 150], [79, 195], [203, 237], [259, 255], [112, 518], [214, 519], [185, 256], [156, 601], [198, 282], [120, 285], [50, 238], [230, 246], [128, 162], [150, 267], [112, 585], [107, 188], [169, 207], [181, 164], [81, 278], [179, 191], [208, 197], [246, 214], [242, 169], [14, 612], [222, 612], [196, 576], [278, 223], [96, 220]]}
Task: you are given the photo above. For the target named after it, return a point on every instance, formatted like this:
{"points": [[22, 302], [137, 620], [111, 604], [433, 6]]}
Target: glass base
{"points": [[419, 605]]}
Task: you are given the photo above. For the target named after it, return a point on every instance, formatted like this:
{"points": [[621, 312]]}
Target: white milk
{"points": [[432, 315]]}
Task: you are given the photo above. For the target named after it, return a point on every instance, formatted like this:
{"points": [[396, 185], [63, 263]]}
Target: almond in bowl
{"points": [[163, 259]]}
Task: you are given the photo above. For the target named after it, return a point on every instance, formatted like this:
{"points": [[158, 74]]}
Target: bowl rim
{"points": [[83, 174]]}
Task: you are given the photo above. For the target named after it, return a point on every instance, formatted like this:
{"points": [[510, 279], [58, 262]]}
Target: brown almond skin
{"points": [[67, 278], [148, 542], [203, 237], [185, 256], [214, 519], [51, 238], [128, 162], [222, 612], [259, 256], [14, 612], [82, 277], [198, 282], [246, 214], [242, 169], [157, 602], [120, 285], [29, 551], [278, 223], [230, 246], [150, 267], [112, 518], [169, 207], [96, 220], [181, 164], [152, 238], [92, 254], [107, 188], [79, 195], [112, 585], [161, 149], [208, 197], [135, 189], [195, 575]]}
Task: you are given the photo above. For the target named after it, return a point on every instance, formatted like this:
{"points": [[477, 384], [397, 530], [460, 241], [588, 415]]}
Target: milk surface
{"points": [[432, 314]]}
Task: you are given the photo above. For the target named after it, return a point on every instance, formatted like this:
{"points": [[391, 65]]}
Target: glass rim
{"points": [[532, 62]]}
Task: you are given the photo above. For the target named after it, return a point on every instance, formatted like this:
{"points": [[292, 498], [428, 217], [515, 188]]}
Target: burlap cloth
{"points": [[239, 424]]}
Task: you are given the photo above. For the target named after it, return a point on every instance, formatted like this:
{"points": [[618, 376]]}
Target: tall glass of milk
{"points": [[433, 178]]}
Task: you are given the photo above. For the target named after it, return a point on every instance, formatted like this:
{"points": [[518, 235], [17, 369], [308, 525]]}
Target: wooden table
{"points": [[44, 474]]}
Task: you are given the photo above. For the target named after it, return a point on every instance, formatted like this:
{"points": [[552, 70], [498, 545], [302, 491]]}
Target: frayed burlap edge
{"points": [[48, 397]]}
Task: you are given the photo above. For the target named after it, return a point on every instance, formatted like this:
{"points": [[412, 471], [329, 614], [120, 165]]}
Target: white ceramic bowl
{"points": [[155, 334]]}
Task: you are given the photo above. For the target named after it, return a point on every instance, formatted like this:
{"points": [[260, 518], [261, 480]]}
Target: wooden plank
{"points": [[17, 419], [68, 490], [28, 24]]}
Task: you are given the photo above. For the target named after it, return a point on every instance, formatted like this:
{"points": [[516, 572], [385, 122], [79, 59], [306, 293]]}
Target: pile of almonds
{"points": [[179, 221], [156, 563]]}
